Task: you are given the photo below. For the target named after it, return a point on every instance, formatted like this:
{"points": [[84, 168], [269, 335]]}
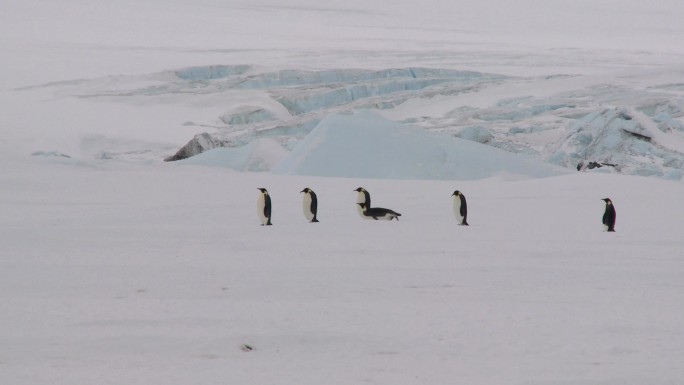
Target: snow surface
{"points": [[119, 268], [139, 274]]}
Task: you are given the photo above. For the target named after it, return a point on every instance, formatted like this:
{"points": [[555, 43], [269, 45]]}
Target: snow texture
{"points": [[119, 268]]}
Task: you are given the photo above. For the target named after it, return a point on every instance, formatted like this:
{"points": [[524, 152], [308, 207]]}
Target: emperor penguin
{"points": [[264, 207], [378, 213], [609, 215], [310, 205], [363, 196], [460, 208]]}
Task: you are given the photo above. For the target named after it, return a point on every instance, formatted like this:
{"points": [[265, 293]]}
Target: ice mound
{"points": [[366, 145], [259, 155]]}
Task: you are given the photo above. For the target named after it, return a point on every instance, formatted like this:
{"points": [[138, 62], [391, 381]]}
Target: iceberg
{"points": [[365, 145]]}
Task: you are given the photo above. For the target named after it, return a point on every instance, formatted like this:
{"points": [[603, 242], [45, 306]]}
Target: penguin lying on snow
{"points": [[378, 213], [460, 208], [310, 205], [609, 215], [264, 207]]}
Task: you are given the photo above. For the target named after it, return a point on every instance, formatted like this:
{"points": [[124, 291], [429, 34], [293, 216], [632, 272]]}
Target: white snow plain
{"points": [[119, 268]]}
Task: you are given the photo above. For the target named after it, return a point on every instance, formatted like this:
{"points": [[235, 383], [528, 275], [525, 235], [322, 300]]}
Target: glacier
{"points": [[633, 124], [620, 138]]}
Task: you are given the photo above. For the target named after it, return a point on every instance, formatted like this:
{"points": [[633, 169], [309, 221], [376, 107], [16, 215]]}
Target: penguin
{"points": [[460, 208], [609, 215], [363, 196], [264, 207], [310, 205], [378, 213]]}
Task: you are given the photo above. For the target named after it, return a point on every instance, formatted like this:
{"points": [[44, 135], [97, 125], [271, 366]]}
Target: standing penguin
{"points": [[609, 215], [460, 208], [264, 207], [310, 205], [378, 213], [363, 196]]}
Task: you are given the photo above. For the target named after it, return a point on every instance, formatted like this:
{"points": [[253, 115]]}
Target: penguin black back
{"points": [[460, 208], [310, 205], [378, 212], [264, 207], [363, 196], [366, 196], [609, 215]]}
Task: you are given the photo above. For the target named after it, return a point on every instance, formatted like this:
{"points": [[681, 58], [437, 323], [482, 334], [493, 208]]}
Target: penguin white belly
{"points": [[457, 209], [306, 207], [261, 202], [361, 198], [386, 217]]}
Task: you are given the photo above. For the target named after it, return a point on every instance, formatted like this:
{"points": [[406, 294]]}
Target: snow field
{"points": [[118, 269], [159, 273]]}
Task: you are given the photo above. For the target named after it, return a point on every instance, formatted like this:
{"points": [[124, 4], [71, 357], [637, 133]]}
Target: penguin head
{"points": [[263, 190], [360, 189], [363, 205], [306, 190], [608, 201], [456, 193]]}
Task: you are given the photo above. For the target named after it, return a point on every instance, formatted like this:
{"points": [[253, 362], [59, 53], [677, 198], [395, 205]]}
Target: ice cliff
{"points": [[633, 124]]}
